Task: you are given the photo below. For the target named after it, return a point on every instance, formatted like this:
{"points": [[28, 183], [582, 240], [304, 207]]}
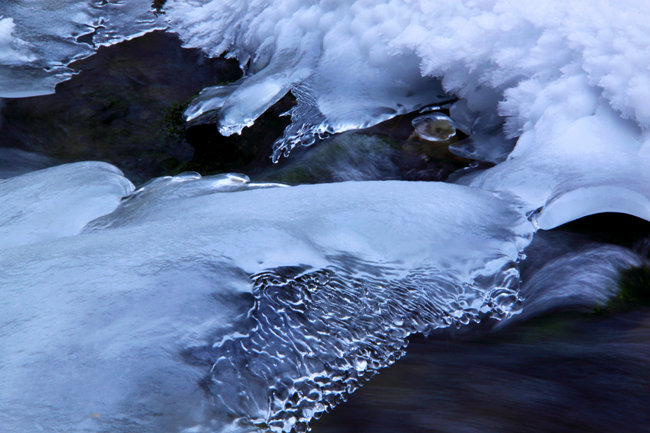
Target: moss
{"points": [[634, 291], [175, 120]]}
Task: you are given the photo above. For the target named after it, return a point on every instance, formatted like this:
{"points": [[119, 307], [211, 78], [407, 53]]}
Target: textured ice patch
{"points": [[314, 336], [38, 39], [116, 328]]}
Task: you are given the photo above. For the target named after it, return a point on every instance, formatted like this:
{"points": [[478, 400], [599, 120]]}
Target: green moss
{"points": [[634, 291], [175, 120]]}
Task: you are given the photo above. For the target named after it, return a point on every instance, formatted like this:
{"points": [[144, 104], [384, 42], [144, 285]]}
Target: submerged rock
{"points": [[122, 107], [435, 127], [633, 292], [349, 156]]}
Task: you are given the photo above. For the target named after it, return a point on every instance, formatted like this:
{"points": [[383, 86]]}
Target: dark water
{"points": [[573, 369], [566, 372]]}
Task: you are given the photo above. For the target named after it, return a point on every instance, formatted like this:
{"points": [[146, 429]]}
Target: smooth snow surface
{"points": [[115, 328]]}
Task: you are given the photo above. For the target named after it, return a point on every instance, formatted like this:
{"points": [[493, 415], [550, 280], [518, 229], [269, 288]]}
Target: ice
{"points": [[58, 201], [116, 328], [597, 163], [9, 45], [534, 73], [38, 39], [502, 45], [196, 303], [545, 68], [301, 47]]}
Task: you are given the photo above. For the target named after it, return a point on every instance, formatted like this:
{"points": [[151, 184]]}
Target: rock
{"points": [[123, 107], [348, 156]]}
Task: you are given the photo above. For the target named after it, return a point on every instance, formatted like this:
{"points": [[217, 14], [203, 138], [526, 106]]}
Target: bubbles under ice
{"points": [[434, 127]]}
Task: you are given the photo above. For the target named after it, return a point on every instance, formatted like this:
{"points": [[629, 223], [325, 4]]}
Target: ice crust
{"points": [[38, 39], [114, 328], [57, 201]]}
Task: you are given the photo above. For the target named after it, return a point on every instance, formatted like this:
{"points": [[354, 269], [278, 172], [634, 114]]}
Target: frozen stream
{"points": [[124, 319], [215, 304]]}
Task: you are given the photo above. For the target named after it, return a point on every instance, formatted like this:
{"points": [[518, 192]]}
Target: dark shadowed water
{"points": [[560, 373]]}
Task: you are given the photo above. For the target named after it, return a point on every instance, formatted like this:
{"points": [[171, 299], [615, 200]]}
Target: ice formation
{"points": [[39, 39], [115, 326], [57, 201], [116, 303], [555, 71]]}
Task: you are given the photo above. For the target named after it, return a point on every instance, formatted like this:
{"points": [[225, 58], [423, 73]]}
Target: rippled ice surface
{"points": [[189, 307]]}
